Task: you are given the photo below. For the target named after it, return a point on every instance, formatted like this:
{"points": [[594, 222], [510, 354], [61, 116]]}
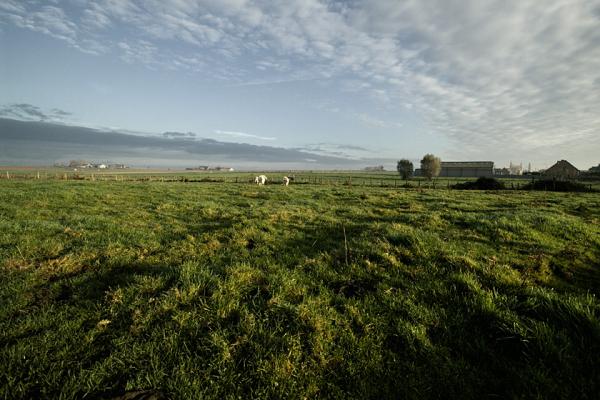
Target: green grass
{"points": [[329, 178], [208, 290]]}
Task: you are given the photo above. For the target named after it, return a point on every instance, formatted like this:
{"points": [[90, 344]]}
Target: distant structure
{"points": [[460, 169], [207, 168], [117, 166], [512, 170], [515, 169], [502, 171], [562, 170], [595, 170], [82, 164]]}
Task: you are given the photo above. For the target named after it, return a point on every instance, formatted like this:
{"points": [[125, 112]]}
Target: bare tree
{"points": [[405, 169], [431, 166]]}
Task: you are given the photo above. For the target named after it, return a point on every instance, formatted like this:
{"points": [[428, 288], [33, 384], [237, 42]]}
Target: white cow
{"points": [[286, 180], [261, 179]]}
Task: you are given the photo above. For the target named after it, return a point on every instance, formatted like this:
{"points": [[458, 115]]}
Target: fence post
{"points": [[7, 175]]}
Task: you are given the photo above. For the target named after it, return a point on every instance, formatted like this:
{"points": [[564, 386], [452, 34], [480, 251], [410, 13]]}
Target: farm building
{"points": [[562, 170], [467, 168]]}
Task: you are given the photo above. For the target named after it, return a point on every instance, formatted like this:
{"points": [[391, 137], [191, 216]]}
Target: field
{"points": [[223, 290]]}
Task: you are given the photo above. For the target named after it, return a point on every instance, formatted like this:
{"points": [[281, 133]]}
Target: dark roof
{"points": [[562, 164]]}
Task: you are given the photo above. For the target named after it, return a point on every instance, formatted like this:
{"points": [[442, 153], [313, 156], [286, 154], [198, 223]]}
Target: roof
{"points": [[467, 164], [562, 164]]}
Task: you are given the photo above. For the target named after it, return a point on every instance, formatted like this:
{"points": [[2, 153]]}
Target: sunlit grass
{"points": [[208, 290]]}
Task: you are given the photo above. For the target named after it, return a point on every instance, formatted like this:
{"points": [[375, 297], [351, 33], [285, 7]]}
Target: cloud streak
{"points": [[29, 112], [243, 135], [49, 142]]}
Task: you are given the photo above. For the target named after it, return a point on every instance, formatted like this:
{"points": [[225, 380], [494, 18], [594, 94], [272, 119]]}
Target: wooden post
{"points": [[38, 174], [7, 175]]}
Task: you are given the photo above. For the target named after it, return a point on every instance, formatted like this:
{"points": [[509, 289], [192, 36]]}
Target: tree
{"points": [[431, 166], [405, 169]]}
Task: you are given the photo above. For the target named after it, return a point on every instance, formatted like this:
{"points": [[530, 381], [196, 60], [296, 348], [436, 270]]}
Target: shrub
{"points": [[557, 186], [481, 183]]}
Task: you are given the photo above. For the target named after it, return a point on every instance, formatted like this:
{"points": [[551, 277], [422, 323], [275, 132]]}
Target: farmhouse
{"points": [[562, 170], [467, 168]]}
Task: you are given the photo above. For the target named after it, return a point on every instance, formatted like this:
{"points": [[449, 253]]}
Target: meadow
{"points": [[223, 290]]}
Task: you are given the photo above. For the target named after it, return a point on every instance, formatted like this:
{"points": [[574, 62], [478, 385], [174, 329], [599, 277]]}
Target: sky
{"points": [[507, 80]]}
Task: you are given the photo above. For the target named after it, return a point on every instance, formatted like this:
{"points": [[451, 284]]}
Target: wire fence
{"points": [[323, 179]]}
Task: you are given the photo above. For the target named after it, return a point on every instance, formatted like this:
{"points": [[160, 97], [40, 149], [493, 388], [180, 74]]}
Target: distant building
{"points": [[516, 169], [464, 169], [511, 170], [562, 170], [595, 170], [79, 164]]}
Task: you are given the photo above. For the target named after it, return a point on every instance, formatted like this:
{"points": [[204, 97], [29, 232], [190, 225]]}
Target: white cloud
{"points": [[243, 135], [374, 122]]}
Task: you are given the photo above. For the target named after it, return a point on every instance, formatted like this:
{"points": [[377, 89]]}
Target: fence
{"points": [[384, 180]]}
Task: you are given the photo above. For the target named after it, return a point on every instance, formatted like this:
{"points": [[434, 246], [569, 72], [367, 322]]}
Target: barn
{"points": [[562, 170], [460, 169]]}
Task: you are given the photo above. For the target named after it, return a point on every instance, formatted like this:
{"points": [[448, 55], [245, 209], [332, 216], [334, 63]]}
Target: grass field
{"points": [[329, 178], [208, 290]]}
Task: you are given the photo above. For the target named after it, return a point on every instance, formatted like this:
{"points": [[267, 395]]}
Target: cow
{"points": [[286, 180]]}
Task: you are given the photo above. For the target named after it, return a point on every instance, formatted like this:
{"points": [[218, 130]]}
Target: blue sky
{"points": [[486, 80]]}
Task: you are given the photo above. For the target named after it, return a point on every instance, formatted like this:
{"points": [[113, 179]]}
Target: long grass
{"points": [[207, 290]]}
